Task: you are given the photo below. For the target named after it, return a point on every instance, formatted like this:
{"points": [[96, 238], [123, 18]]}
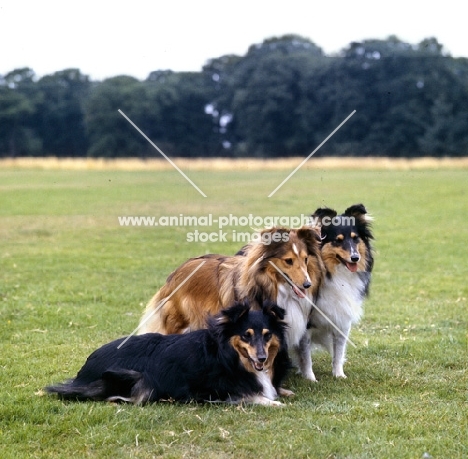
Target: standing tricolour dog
{"points": [[347, 254]]}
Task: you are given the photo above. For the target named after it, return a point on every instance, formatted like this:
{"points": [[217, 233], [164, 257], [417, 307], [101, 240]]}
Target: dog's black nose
{"points": [[261, 359], [355, 258], [306, 284]]}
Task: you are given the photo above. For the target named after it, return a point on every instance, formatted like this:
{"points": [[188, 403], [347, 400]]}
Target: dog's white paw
{"points": [[310, 376], [274, 403], [339, 374], [262, 400]]}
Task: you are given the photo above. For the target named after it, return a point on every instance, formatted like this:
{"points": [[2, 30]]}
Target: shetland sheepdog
{"points": [[299, 307], [347, 254], [280, 263], [240, 357]]}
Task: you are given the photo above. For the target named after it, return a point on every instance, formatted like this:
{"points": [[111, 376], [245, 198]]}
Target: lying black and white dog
{"points": [[240, 357]]}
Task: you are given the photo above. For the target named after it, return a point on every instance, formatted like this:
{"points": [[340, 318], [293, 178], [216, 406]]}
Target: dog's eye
{"points": [[289, 261], [355, 238], [267, 336], [246, 336], [305, 259]]}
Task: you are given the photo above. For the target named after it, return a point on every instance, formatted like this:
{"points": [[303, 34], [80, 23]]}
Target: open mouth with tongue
{"points": [[351, 266], [257, 365], [300, 292]]}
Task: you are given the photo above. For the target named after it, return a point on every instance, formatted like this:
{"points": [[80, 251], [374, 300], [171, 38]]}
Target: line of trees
{"points": [[280, 99]]}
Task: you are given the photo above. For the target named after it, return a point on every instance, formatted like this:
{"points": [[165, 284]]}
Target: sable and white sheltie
{"points": [[347, 254], [298, 309], [240, 357], [202, 286]]}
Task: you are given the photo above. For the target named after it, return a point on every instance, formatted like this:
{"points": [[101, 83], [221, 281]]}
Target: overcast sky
{"points": [[105, 39]]}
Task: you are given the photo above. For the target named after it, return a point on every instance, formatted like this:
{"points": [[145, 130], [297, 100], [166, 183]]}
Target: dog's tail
{"points": [[114, 385], [73, 391]]}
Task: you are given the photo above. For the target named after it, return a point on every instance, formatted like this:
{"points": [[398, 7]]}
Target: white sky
{"points": [[105, 39]]}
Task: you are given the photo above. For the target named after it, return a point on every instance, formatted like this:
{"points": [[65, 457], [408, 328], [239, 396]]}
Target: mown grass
{"points": [[73, 279]]}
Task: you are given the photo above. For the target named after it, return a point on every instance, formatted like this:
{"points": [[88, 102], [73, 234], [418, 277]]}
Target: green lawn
{"points": [[72, 279]]}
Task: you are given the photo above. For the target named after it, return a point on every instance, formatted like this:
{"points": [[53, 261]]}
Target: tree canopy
{"points": [[282, 98]]}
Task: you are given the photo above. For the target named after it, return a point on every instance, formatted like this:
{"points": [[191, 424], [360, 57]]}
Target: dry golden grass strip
{"points": [[135, 164]]}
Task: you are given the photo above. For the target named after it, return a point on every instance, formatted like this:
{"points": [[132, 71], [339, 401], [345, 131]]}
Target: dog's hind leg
{"points": [[340, 341], [127, 386]]}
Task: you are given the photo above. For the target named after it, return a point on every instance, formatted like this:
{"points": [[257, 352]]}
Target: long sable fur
{"points": [[220, 280]]}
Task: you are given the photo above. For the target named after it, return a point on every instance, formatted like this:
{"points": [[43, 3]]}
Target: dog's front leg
{"points": [[340, 341], [304, 357]]}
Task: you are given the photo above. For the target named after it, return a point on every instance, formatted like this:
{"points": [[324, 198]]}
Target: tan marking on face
{"points": [[247, 352], [340, 237], [330, 256], [363, 252], [297, 272], [272, 348], [242, 348], [353, 234]]}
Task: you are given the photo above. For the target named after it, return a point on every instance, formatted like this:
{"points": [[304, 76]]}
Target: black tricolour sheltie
{"points": [[239, 358], [347, 255]]}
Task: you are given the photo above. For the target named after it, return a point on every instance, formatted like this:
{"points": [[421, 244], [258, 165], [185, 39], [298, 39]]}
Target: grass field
{"points": [[73, 279]]}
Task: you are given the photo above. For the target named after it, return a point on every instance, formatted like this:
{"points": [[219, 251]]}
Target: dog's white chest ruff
{"points": [[297, 313], [341, 296], [340, 305]]}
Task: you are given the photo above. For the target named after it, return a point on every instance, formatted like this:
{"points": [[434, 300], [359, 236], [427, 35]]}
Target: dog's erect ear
{"points": [[363, 220], [274, 236], [322, 212], [272, 239], [356, 210], [274, 310], [311, 237], [234, 312], [359, 212]]}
